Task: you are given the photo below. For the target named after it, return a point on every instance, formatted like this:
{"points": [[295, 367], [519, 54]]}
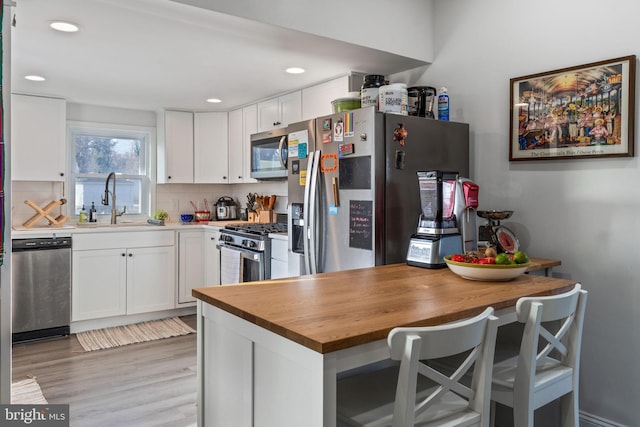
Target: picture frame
{"points": [[577, 112]]}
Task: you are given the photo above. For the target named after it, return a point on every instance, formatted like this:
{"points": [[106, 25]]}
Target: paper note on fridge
{"points": [[297, 143]]}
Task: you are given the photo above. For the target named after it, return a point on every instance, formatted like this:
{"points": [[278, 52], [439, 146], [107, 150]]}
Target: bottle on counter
{"points": [[443, 105], [92, 213], [83, 215]]}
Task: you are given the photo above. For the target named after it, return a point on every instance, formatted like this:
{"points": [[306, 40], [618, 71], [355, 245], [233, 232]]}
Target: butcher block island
{"points": [[269, 352]]}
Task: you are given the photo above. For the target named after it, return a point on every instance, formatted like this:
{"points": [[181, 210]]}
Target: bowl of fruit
{"points": [[487, 265]]}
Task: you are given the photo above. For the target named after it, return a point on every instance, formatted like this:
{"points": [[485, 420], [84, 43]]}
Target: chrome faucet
{"points": [[105, 199]]}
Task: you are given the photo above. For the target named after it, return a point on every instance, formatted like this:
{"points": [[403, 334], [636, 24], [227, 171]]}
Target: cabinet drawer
{"points": [[132, 239], [279, 249]]}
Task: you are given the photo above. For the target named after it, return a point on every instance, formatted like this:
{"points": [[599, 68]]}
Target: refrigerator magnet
{"points": [[338, 132], [302, 180], [302, 150], [329, 163], [348, 125], [345, 149], [333, 210], [295, 167], [326, 125], [326, 137]]}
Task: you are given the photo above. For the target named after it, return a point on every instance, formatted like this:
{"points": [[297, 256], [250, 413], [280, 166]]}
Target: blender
{"points": [[437, 233]]}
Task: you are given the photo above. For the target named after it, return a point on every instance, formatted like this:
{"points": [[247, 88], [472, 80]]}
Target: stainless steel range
{"points": [[245, 252]]}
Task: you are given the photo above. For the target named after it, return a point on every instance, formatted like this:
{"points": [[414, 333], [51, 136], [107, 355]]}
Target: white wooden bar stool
{"points": [[536, 377], [417, 394]]}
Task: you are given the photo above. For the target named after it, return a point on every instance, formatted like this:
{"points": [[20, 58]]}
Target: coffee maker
{"points": [[437, 233]]}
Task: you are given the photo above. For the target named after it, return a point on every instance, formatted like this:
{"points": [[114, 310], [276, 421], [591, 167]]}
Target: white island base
{"points": [[249, 376]]}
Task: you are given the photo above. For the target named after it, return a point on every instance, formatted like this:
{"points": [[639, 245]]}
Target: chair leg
{"points": [[492, 414], [569, 410], [522, 417]]}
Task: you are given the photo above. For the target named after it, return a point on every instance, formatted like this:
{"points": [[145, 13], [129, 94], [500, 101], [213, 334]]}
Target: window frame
{"points": [[148, 188]]}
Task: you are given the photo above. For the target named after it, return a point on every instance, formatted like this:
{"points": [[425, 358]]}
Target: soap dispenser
{"points": [[92, 213], [83, 215]]}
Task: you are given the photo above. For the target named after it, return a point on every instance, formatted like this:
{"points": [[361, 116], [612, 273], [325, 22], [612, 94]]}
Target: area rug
{"points": [[99, 339], [27, 392]]}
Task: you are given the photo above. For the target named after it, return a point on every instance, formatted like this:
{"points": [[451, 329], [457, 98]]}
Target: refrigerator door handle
{"points": [[313, 214], [307, 215]]}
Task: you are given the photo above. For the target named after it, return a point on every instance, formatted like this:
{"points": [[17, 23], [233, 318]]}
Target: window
{"points": [[96, 152]]}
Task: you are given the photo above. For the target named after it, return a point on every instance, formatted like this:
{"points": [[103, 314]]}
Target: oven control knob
{"points": [[225, 238], [251, 244]]}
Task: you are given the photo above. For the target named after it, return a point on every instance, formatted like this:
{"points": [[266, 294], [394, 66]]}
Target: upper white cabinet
{"points": [[38, 128], [195, 148], [211, 148], [279, 112], [242, 123], [316, 100], [177, 157]]}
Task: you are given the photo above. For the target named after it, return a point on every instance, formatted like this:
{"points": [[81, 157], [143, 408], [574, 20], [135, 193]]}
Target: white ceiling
{"points": [[155, 54]]}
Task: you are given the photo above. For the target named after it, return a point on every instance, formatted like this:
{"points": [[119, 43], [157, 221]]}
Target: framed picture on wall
{"points": [[577, 112]]}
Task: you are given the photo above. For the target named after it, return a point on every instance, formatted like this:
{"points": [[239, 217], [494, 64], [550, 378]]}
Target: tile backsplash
{"points": [[173, 198]]}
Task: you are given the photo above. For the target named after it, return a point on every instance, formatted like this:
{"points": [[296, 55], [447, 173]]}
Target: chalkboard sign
{"points": [[355, 173], [360, 224]]}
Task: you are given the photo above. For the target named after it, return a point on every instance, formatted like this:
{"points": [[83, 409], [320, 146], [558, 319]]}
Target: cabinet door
{"points": [[190, 264], [269, 115], [316, 100], [250, 126], [236, 147], [99, 284], [178, 155], [211, 148], [38, 143], [211, 258], [290, 108], [150, 279]]}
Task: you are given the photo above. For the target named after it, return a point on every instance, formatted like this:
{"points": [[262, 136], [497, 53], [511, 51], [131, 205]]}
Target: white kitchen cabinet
{"points": [[211, 257], [316, 100], [38, 138], [242, 124], [279, 257], [211, 148], [190, 264], [99, 283], [279, 112], [122, 273], [176, 160]]}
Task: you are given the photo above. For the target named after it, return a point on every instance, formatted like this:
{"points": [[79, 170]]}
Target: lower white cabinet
{"points": [[122, 273], [198, 262], [190, 263], [211, 257], [279, 258]]}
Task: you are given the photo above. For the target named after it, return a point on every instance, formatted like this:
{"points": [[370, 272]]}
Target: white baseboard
{"points": [[107, 322], [590, 420]]}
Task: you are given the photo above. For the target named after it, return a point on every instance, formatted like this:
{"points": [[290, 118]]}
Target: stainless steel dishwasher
{"points": [[41, 296]]}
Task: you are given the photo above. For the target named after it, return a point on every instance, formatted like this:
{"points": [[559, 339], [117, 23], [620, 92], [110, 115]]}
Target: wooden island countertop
{"points": [[333, 311]]}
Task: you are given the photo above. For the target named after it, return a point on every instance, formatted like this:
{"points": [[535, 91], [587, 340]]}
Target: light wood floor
{"points": [[145, 384]]}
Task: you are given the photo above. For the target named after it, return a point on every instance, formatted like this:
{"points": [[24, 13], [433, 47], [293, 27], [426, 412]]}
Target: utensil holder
{"points": [[203, 216]]}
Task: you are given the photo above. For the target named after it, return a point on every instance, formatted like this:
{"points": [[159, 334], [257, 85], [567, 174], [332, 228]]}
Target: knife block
{"points": [[265, 217]]}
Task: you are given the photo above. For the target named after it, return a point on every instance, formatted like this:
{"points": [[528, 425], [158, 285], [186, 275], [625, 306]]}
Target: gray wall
{"points": [[582, 211]]}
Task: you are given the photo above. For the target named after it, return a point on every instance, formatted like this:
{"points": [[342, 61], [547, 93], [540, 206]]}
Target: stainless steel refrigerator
{"points": [[353, 189]]}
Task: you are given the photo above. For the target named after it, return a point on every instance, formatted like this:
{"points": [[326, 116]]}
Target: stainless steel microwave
{"points": [[269, 155]]}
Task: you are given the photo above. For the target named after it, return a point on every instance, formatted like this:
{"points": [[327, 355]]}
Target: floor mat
{"points": [[27, 392], [99, 339]]}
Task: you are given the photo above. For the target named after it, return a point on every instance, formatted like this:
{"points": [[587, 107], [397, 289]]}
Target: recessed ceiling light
{"points": [[35, 78], [295, 70], [66, 27], [214, 100]]}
